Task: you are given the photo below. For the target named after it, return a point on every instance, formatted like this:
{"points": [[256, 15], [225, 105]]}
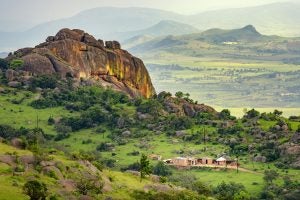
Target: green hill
{"points": [[91, 136]]}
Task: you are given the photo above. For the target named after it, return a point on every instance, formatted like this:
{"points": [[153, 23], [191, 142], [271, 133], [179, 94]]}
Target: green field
{"points": [[229, 84]]}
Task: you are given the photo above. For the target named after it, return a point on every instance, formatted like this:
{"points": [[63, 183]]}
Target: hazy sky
{"points": [[37, 11]]}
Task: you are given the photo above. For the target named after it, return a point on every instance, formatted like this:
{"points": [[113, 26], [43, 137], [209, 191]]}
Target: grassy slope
{"points": [[159, 145]]}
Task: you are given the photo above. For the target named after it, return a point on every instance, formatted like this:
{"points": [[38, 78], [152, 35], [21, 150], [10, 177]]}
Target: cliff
{"points": [[79, 55]]}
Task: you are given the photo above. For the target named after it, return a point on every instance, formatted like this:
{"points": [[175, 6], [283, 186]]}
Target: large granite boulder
{"points": [[76, 53]]}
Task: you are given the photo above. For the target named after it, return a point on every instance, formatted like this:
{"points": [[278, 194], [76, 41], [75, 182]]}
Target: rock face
{"points": [[78, 54]]}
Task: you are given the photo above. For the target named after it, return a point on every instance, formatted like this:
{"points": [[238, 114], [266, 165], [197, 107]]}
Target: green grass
{"points": [[24, 115], [213, 178], [10, 192], [4, 148]]}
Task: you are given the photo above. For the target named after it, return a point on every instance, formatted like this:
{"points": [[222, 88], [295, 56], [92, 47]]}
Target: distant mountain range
{"points": [[124, 23], [245, 43]]}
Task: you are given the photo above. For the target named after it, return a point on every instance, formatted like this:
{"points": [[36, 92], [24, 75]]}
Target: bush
{"points": [[3, 64], [16, 64], [227, 191], [104, 147], [134, 166], [252, 114], [44, 81], [201, 188], [51, 120], [161, 169], [35, 190]]}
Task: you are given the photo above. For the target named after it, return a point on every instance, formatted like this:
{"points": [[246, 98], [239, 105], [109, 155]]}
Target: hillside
{"points": [[219, 41], [163, 28], [65, 136]]}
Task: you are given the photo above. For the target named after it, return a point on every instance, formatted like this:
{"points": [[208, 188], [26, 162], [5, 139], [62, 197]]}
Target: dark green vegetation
{"points": [[80, 139]]}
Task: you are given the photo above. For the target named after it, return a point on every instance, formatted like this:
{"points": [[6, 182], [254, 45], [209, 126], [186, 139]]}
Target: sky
{"points": [[32, 12]]}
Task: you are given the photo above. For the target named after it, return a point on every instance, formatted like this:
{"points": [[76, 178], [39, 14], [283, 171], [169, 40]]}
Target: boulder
{"points": [[91, 41], [189, 110], [262, 159], [18, 143], [296, 138], [14, 84], [126, 134], [11, 74], [76, 53], [112, 45]]}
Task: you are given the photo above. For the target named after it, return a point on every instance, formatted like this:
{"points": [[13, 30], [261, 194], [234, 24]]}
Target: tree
{"points": [[16, 64], [277, 113], [201, 188], [161, 169], [179, 94], [35, 190], [3, 64], [252, 114], [225, 114], [270, 175], [227, 191], [90, 184], [145, 168]]}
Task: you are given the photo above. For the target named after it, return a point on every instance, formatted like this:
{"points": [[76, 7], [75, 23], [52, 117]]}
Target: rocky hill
{"points": [[76, 54]]}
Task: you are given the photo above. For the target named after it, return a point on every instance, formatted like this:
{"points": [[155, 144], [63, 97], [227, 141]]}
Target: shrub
{"points": [[227, 191], [51, 120], [3, 64], [44, 81], [35, 190], [16, 64], [201, 188], [161, 169]]}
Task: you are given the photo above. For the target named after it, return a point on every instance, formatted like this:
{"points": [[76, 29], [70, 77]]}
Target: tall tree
{"points": [[145, 168]]}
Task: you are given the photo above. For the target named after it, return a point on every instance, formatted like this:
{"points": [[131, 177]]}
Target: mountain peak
{"points": [[250, 28]]}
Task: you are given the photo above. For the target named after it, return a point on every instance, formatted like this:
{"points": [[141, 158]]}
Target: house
{"points": [[207, 161], [184, 162]]}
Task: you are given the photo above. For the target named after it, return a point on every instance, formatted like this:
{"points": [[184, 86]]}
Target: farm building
{"points": [[206, 161], [182, 161], [221, 161]]}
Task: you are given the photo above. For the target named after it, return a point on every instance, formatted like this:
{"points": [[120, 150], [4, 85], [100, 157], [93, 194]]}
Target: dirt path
{"points": [[224, 167]]}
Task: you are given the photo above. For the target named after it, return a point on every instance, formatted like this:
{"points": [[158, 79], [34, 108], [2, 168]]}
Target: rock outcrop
{"points": [[79, 55]]}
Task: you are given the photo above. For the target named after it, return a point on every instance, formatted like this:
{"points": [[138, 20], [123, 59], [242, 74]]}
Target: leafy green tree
{"points": [[270, 176], [201, 188], [252, 114], [16, 64], [3, 64], [277, 113], [225, 114], [35, 190], [227, 191], [179, 94], [161, 169], [145, 168], [44, 81]]}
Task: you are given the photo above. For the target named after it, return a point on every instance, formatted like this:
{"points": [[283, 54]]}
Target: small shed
{"points": [[221, 161]]}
